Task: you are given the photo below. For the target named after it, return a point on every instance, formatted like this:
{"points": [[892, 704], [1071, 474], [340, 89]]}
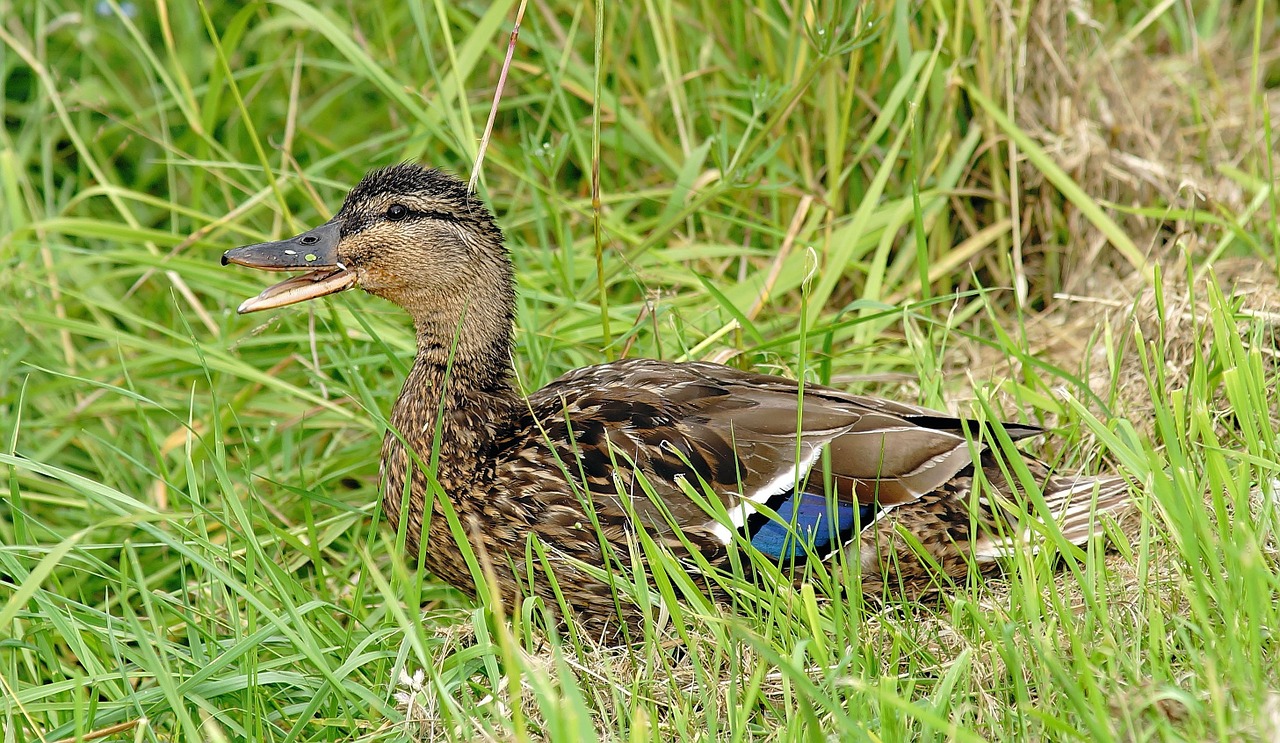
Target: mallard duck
{"points": [[800, 473]]}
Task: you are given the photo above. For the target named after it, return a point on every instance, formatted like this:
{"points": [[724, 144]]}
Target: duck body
{"points": [[702, 457], [603, 451]]}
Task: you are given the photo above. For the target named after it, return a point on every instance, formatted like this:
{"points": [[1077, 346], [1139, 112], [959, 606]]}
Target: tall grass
{"points": [[189, 548]]}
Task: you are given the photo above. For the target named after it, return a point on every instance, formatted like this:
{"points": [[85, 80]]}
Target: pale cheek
{"points": [[366, 279], [377, 282]]}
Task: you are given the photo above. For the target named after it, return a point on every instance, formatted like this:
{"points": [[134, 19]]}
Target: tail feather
{"points": [[1079, 507], [1078, 504]]}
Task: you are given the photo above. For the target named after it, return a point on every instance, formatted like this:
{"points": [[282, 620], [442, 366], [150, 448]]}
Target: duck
{"points": [[709, 461]]}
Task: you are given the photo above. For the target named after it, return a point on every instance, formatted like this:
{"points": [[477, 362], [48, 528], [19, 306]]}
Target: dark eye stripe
{"points": [[439, 216]]}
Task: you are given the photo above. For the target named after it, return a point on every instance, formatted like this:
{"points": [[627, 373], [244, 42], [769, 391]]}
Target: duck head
{"points": [[412, 235]]}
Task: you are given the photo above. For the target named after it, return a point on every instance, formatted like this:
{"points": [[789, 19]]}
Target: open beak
{"points": [[314, 251]]}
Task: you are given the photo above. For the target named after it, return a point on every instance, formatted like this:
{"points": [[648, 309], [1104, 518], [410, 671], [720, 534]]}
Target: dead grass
{"points": [[1095, 332], [1136, 128]]}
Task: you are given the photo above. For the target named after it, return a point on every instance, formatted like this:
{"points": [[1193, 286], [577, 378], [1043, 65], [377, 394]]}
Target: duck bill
{"points": [[314, 251]]}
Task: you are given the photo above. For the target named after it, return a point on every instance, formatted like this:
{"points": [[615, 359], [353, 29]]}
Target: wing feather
{"points": [[748, 437]]}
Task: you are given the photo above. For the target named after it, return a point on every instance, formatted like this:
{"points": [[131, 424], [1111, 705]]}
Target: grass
{"points": [[872, 195]]}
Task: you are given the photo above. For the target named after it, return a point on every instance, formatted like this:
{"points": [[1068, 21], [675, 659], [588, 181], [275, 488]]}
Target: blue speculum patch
{"points": [[808, 526]]}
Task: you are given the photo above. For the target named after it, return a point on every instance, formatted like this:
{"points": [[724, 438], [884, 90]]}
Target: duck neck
{"points": [[455, 408], [458, 395], [456, 405]]}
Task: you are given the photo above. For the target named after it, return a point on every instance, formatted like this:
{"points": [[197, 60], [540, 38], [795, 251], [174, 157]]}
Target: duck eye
{"points": [[397, 212]]}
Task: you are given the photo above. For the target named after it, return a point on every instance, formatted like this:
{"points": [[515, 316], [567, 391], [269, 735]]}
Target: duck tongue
{"points": [[315, 249]]}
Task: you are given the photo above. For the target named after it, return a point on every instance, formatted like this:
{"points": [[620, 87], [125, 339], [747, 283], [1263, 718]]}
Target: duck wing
{"points": [[751, 439]]}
